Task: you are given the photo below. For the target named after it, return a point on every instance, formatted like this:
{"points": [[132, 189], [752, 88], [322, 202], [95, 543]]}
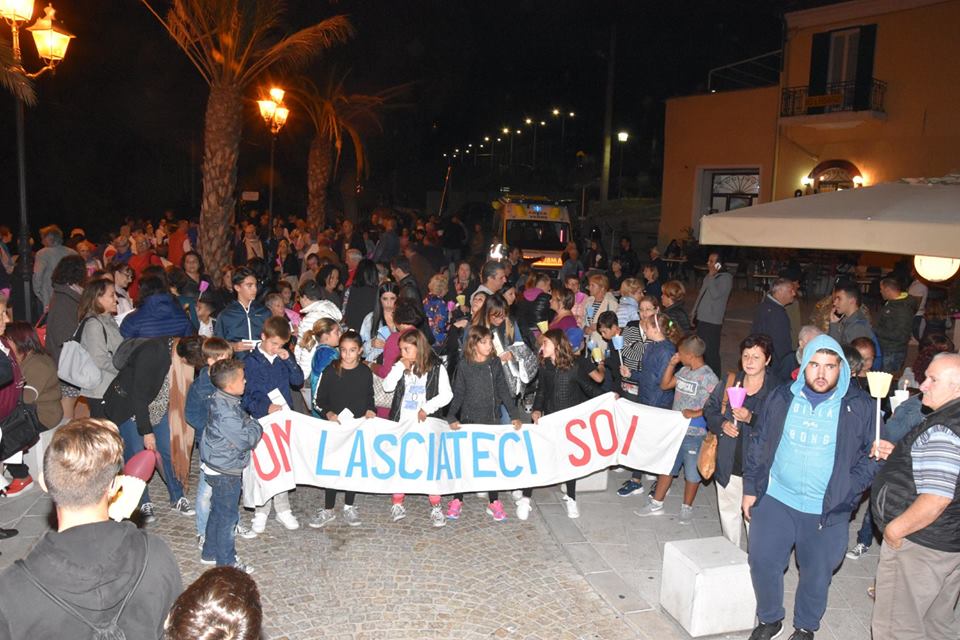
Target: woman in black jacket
{"points": [[533, 305], [62, 319], [732, 426]]}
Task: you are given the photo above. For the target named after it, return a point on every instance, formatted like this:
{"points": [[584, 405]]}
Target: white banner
{"points": [[380, 456]]}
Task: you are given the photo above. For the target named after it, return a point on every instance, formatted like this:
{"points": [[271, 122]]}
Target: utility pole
{"points": [[608, 120]]}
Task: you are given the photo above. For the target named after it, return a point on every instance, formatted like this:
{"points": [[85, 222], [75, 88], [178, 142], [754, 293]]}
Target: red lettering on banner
{"points": [[273, 460], [629, 439], [604, 451], [282, 436], [575, 461]]}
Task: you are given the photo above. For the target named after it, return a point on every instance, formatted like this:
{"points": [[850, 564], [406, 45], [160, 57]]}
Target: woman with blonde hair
{"points": [[435, 306]]}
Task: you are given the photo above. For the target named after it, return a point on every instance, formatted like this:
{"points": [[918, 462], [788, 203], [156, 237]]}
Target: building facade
{"points": [[869, 92]]}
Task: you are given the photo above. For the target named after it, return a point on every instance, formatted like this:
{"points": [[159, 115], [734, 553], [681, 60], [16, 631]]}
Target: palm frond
{"points": [[13, 80], [299, 48]]}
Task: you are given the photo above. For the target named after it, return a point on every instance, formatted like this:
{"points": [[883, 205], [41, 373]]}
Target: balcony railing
{"points": [[837, 96]]}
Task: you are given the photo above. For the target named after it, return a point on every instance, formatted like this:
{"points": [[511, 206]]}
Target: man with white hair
{"points": [[771, 319], [916, 504]]}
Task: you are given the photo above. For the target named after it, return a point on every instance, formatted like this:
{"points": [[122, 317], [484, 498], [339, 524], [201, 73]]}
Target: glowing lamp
{"points": [[858, 181], [936, 269], [486, 138], [529, 121], [16, 10], [806, 181], [276, 93], [506, 130], [280, 117], [571, 114], [267, 109], [556, 112], [623, 136], [51, 40]]}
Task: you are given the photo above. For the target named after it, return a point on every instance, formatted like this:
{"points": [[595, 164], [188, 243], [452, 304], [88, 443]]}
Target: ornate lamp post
{"points": [[51, 41], [274, 114]]}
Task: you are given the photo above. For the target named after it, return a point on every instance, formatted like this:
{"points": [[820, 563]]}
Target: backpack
{"points": [[112, 630]]}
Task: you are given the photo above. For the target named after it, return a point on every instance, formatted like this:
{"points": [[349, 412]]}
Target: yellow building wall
{"points": [[714, 131], [916, 53]]}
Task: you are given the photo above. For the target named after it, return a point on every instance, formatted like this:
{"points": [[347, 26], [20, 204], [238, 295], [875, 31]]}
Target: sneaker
{"points": [[245, 532], [323, 517], [397, 512], [146, 513], [857, 551], [437, 517], [242, 566], [495, 509], [767, 631], [288, 520], [351, 516], [523, 508], [652, 508], [516, 494], [872, 592], [205, 561], [686, 514], [200, 540], [259, 522], [18, 486], [183, 507], [630, 488], [571, 504], [801, 634], [453, 509]]}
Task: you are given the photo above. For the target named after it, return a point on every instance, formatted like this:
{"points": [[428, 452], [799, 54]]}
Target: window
{"points": [[726, 190], [538, 235]]}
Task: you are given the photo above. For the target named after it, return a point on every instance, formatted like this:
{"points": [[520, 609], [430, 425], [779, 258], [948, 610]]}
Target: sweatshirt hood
{"points": [[531, 294], [323, 309], [91, 566], [818, 343]]}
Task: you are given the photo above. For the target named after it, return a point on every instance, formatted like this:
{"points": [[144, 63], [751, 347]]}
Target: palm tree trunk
{"points": [[221, 150], [319, 168]]}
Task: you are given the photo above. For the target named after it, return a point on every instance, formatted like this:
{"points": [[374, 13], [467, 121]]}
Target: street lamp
{"points": [[275, 115], [51, 41], [623, 136], [563, 115]]}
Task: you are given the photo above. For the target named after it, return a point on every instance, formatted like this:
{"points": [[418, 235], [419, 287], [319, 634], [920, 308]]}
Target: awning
{"points": [[904, 218]]}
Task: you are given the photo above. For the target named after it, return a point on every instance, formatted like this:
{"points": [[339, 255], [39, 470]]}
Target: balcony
{"points": [[839, 105]]}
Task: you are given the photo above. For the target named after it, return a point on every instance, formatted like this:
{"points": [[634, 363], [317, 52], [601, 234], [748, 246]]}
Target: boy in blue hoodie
{"points": [[228, 438], [270, 367], [195, 411], [805, 466]]}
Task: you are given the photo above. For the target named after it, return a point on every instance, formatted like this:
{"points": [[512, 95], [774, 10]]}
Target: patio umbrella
{"points": [[915, 217]]}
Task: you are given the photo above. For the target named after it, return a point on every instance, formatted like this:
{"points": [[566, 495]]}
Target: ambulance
{"points": [[538, 226]]}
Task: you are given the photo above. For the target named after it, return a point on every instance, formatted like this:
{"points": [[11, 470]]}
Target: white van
{"points": [[538, 226]]}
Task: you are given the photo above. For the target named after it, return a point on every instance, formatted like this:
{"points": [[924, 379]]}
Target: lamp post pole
{"points": [[275, 115], [52, 42], [623, 136]]}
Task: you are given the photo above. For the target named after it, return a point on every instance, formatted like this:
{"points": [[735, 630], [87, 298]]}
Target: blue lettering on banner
{"points": [[358, 456], [378, 449], [479, 455], [532, 461], [409, 475], [431, 458], [320, 470], [515, 471], [457, 437], [443, 458]]}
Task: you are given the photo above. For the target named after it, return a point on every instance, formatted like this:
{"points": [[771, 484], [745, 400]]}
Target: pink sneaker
{"points": [[453, 509], [495, 509]]}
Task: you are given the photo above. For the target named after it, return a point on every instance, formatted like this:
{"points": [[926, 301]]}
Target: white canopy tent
{"points": [[911, 218]]}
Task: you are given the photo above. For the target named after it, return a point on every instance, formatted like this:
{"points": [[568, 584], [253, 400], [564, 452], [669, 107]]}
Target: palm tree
{"points": [[12, 77], [336, 115], [232, 43]]}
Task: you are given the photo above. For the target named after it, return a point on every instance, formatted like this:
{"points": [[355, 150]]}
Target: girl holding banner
{"points": [[420, 389], [346, 387], [322, 339], [564, 382], [479, 390]]}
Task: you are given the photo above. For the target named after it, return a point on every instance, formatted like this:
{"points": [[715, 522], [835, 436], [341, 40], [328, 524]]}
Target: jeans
{"points": [[133, 444], [220, 541], [687, 458], [865, 535], [775, 530], [204, 491]]}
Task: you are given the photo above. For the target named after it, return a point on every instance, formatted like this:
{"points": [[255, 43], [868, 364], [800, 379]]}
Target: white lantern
{"points": [[16, 10], [936, 269]]}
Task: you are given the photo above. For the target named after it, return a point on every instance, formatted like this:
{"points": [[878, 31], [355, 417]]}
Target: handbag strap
{"points": [[723, 403], [66, 606]]}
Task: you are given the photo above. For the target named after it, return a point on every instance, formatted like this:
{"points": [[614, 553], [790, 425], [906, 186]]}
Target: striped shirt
{"points": [[936, 461]]}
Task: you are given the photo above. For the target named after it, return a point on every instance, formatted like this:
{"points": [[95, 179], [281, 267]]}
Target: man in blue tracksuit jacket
{"points": [[805, 468]]}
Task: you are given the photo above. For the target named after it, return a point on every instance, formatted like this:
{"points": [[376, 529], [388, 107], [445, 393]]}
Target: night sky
{"points": [[118, 129]]}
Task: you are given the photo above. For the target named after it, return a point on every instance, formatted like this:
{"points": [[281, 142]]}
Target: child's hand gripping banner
{"points": [[380, 456]]}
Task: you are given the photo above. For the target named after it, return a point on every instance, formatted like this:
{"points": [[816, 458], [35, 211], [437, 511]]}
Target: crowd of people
{"points": [[407, 319]]}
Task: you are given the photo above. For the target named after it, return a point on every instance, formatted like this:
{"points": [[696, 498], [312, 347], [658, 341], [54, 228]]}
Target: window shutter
{"points": [[819, 60], [865, 51]]}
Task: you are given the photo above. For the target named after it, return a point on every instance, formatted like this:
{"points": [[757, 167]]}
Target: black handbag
{"points": [[20, 429]]}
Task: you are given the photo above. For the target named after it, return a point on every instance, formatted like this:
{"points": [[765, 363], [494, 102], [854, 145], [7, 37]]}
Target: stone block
{"points": [[706, 587], [593, 482]]}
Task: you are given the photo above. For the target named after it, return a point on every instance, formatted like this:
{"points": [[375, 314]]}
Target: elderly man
{"points": [[47, 260], [804, 471], [772, 319], [916, 503]]}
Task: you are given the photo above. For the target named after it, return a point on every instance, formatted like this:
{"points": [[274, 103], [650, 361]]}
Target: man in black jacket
{"points": [[772, 320], [916, 503], [91, 572]]}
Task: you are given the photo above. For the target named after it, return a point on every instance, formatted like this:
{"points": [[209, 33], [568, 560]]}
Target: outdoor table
{"points": [[675, 266]]}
